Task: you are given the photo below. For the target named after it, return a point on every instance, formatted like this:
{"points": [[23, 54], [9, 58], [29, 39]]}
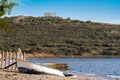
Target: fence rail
{"points": [[8, 59]]}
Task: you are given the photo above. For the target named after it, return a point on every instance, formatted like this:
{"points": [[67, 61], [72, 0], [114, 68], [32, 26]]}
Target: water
{"points": [[97, 68]]}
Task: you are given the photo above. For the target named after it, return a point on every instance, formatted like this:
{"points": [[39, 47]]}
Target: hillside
{"points": [[59, 36]]}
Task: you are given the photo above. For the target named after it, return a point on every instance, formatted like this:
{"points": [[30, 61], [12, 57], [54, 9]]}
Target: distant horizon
{"points": [[103, 11]]}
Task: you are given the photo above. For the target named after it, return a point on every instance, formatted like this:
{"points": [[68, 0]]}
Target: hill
{"points": [[58, 36]]}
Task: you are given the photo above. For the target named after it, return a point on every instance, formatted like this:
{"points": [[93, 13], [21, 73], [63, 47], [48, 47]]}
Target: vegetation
{"points": [[6, 7], [59, 36]]}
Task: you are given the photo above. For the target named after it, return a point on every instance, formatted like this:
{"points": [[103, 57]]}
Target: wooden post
{"points": [[9, 59], [24, 56], [16, 59], [21, 56], [13, 60], [15, 66], [6, 58], [2, 59]]}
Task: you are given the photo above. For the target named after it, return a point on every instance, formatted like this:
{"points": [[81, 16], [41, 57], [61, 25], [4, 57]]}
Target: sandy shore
{"points": [[21, 76]]}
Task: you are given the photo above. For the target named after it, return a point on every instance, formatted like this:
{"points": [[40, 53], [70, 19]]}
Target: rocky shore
{"points": [[21, 76], [47, 55]]}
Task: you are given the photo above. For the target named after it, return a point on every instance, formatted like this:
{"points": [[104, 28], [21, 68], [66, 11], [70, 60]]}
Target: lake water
{"points": [[97, 68]]}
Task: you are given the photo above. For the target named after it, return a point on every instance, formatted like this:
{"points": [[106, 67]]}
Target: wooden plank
{"points": [[19, 53], [0, 55], [24, 56], [10, 65], [16, 60], [6, 58], [12, 58], [2, 62], [9, 59], [21, 56], [0, 59]]}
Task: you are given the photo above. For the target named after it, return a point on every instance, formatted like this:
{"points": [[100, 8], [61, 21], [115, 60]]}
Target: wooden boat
{"points": [[27, 67]]}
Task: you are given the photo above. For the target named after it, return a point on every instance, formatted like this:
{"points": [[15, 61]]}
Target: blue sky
{"points": [[107, 11]]}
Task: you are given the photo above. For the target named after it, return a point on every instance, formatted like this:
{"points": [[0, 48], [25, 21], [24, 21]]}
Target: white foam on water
{"points": [[114, 77], [94, 76]]}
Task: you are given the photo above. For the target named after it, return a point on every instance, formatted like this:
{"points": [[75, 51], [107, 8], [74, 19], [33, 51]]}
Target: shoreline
{"points": [[5, 75], [46, 55]]}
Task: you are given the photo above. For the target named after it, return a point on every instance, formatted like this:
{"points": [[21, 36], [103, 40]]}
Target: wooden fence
{"points": [[8, 59]]}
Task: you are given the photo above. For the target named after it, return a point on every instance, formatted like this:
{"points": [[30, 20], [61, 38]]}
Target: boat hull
{"points": [[27, 67]]}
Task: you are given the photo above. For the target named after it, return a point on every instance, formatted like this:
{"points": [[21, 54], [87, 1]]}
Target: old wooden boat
{"points": [[27, 67]]}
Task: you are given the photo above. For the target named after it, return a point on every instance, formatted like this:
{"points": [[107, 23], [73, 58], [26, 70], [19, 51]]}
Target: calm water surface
{"points": [[100, 68]]}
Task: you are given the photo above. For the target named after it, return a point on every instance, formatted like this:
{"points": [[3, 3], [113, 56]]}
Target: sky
{"points": [[107, 11]]}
